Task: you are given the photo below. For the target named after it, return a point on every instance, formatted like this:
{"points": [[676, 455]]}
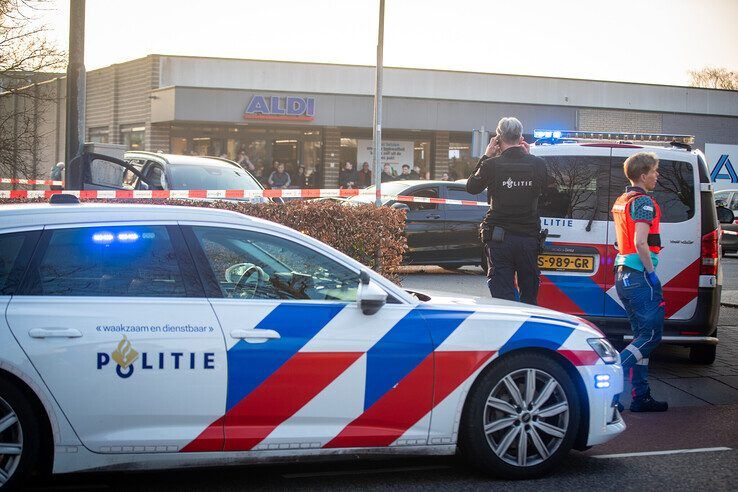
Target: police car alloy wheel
{"points": [[521, 417], [19, 449]]}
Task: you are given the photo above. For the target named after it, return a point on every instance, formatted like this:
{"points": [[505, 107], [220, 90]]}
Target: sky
{"points": [[647, 41]]}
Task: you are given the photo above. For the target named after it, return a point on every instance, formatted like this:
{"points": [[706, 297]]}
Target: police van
{"points": [[586, 176]]}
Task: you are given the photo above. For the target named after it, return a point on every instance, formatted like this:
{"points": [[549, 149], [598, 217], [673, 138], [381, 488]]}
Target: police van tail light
{"points": [[709, 263]]}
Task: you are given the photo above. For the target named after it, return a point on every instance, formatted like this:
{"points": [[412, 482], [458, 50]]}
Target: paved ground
{"points": [[698, 437]]}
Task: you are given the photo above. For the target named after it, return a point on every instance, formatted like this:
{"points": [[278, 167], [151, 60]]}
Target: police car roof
{"points": [[35, 215], [663, 152]]}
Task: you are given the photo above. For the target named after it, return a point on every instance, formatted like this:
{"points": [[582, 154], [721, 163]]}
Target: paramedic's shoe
{"points": [[648, 404]]}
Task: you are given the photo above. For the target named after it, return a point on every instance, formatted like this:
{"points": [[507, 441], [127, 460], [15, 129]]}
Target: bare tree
{"points": [[714, 78], [26, 57]]}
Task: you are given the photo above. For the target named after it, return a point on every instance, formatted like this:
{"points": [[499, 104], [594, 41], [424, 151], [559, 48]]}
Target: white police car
{"points": [[140, 336]]}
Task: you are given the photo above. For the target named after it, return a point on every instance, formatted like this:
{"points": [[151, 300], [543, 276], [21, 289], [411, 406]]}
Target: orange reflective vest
{"points": [[625, 225]]}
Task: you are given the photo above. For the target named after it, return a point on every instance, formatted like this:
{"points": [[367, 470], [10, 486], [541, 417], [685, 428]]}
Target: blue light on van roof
{"points": [[547, 134], [103, 237]]}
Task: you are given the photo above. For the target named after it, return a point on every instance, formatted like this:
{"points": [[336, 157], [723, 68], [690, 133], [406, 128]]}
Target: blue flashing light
{"points": [[103, 237], [602, 381], [547, 134], [127, 236]]}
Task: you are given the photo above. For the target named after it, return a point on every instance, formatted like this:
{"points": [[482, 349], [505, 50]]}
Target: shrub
{"points": [[356, 231]]}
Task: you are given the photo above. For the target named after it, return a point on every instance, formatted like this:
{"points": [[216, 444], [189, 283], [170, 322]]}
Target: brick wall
{"points": [[440, 154], [157, 138], [134, 82], [706, 129], [100, 99], [619, 121], [119, 95], [331, 156]]}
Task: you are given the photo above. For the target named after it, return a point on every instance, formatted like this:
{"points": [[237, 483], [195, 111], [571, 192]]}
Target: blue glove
{"points": [[653, 279]]}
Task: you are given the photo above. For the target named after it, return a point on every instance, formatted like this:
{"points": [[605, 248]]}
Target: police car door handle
{"points": [[554, 235], [432, 216], [54, 333], [255, 335]]}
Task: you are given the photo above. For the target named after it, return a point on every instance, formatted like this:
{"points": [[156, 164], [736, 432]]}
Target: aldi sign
{"points": [[289, 108], [722, 161]]}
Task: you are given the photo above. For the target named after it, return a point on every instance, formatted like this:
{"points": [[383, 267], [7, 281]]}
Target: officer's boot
{"points": [[647, 404]]}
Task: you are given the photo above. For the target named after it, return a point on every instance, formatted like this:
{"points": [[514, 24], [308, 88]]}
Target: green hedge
{"points": [[355, 231]]}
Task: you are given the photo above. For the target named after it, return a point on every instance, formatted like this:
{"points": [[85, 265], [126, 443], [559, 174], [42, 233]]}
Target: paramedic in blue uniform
{"points": [[511, 228], [637, 219]]}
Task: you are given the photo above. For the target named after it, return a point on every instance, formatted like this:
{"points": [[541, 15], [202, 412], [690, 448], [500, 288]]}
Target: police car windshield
{"points": [[391, 188], [210, 177]]}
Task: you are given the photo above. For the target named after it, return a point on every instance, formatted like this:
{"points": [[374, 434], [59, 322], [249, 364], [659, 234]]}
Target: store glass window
{"points": [[421, 158], [460, 161], [99, 134], [349, 150], [133, 136]]}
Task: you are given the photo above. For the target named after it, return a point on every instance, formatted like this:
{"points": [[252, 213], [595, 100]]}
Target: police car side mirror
{"points": [[370, 297], [725, 215]]}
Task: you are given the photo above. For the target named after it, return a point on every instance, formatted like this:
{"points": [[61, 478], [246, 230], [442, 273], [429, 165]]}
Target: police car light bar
{"points": [[618, 136]]}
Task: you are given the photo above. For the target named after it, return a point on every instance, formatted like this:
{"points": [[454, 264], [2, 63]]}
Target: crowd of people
{"points": [[278, 176], [282, 175]]}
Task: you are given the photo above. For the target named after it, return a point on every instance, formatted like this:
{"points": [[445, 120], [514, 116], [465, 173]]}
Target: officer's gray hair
{"points": [[510, 130]]}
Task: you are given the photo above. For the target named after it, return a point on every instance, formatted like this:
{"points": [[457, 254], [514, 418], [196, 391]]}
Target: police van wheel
{"points": [[521, 417], [20, 438], [702, 354]]}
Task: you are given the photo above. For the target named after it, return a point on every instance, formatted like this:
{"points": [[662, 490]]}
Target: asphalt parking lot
{"points": [[692, 446]]}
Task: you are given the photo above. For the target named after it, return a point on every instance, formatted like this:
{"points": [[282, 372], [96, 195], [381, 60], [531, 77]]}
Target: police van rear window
{"points": [[674, 190]]}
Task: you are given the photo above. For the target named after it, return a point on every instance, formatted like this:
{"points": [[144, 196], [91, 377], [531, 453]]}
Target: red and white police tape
{"points": [[45, 182], [224, 194]]}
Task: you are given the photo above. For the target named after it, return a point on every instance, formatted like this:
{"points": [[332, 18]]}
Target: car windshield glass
{"points": [[391, 188], [189, 177]]}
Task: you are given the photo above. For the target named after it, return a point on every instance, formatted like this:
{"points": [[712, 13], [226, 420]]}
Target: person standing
{"points": [[387, 174], [347, 177], [301, 179], [405, 173], [365, 176], [637, 219], [511, 228], [57, 174], [279, 178]]}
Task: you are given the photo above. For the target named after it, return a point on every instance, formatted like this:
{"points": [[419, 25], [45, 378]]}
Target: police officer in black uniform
{"points": [[511, 230]]}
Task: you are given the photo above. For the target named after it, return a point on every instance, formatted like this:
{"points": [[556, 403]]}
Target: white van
{"points": [[577, 265]]}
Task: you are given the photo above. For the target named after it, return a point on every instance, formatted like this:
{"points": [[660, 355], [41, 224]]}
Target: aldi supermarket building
{"points": [[320, 115]]}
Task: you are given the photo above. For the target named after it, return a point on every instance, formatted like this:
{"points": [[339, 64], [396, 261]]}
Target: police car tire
{"points": [[473, 443], [31, 455]]}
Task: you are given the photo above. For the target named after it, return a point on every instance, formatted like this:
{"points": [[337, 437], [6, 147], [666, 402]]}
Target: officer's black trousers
{"points": [[516, 254]]}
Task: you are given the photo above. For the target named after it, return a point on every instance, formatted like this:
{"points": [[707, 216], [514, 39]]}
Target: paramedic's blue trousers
{"points": [[644, 304]]}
